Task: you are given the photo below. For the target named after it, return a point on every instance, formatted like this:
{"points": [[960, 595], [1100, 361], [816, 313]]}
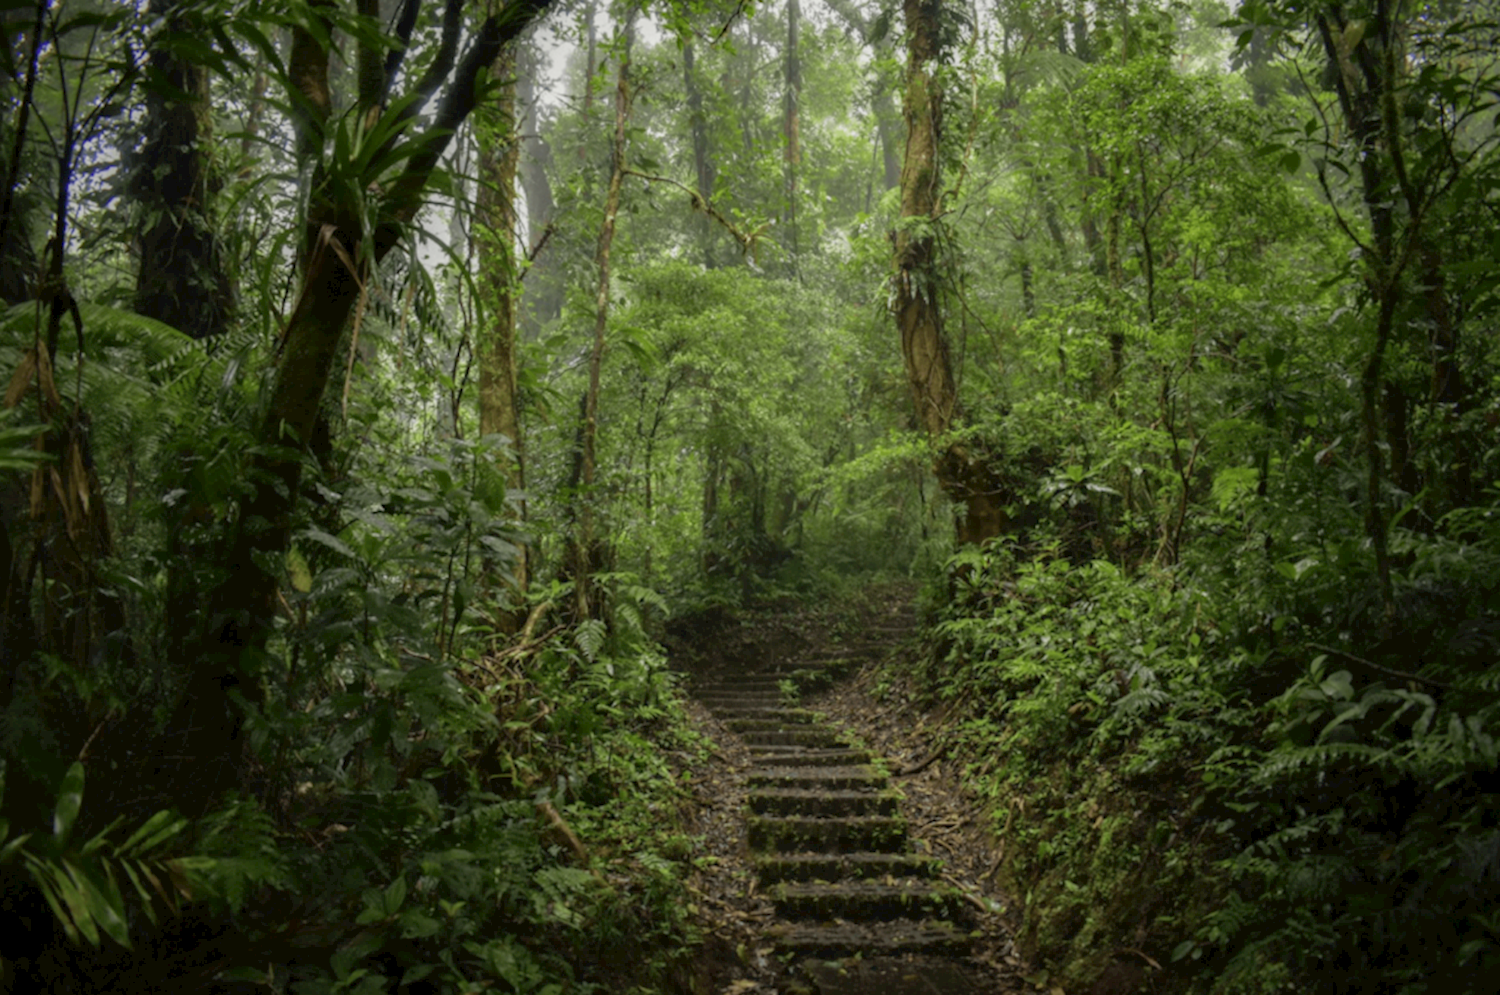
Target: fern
{"points": [[589, 638]]}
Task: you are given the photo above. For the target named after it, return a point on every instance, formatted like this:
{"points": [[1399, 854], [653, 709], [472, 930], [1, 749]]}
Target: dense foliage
{"points": [[381, 374]]}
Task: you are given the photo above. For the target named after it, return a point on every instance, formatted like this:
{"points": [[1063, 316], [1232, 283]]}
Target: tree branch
{"points": [[406, 22], [1400, 675], [746, 240], [497, 31]]}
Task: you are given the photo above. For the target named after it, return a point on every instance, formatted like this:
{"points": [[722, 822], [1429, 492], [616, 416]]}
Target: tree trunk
{"points": [[182, 280], [542, 302], [230, 657], [792, 126], [703, 165], [584, 555], [499, 402], [965, 476], [1366, 83]]}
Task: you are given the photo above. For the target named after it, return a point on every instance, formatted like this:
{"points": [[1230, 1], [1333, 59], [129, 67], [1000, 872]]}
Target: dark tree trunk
{"points": [[182, 279]]}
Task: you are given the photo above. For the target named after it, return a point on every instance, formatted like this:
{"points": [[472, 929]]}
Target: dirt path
{"points": [[841, 857]]}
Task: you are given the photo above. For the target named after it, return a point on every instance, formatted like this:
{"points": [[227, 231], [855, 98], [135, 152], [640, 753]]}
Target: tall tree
{"points": [[542, 303], [348, 231], [585, 553], [183, 280], [499, 399], [882, 98], [963, 472], [704, 169], [792, 127]]}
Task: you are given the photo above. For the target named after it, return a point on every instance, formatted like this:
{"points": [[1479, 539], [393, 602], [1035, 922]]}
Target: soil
{"points": [[837, 657]]}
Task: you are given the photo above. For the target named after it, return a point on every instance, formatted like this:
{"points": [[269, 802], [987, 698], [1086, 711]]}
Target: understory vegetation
{"points": [[381, 376]]}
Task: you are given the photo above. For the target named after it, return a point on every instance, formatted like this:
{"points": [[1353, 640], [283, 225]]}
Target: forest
{"points": [[393, 387]]}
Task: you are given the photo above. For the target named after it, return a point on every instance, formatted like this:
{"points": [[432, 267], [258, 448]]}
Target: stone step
{"points": [[759, 719], [739, 689], [839, 939], [780, 868], [800, 756], [816, 735], [817, 777], [846, 834], [795, 801], [911, 973], [768, 699], [867, 901], [769, 675]]}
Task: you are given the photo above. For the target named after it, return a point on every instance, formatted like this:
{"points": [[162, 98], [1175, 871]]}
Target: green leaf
{"points": [[43, 875], [332, 542], [296, 566], [395, 895], [103, 900], [157, 830], [69, 801]]}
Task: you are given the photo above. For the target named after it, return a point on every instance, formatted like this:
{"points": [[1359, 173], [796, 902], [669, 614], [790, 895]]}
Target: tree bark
{"points": [[182, 280], [499, 402], [584, 555], [542, 302], [792, 126], [964, 475]]}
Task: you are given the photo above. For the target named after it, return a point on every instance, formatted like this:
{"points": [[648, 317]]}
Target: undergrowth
{"points": [[1209, 798]]}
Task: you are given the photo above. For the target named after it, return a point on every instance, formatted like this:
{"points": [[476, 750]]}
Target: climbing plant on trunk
{"points": [[917, 291]]}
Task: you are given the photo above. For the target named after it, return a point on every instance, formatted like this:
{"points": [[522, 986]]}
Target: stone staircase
{"points": [[830, 844]]}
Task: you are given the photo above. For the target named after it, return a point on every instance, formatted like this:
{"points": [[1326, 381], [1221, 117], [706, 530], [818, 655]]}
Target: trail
{"points": [[829, 876]]}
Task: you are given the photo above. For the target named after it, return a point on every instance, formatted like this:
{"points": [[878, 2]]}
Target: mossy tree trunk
{"points": [[345, 240], [964, 474], [499, 401]]}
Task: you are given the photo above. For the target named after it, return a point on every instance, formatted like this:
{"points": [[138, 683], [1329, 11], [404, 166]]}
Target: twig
{"points": [[933, 758], [536, 249], [963, 890], [1387, 671], [560, 825], [729, 22], [1138, 953], [746, 240]]}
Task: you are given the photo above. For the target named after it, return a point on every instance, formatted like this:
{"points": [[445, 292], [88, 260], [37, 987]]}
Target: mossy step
{"points": [[779, 868], [801, 801], [801, 756], [767, 699], [806, 736], [867, 901], [740, 689], [753, 677], [846, 834], [853, 776], [754, 720], [839, 939]]}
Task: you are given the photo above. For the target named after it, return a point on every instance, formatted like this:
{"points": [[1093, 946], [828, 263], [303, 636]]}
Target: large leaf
{"points": [[69, 801]]}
